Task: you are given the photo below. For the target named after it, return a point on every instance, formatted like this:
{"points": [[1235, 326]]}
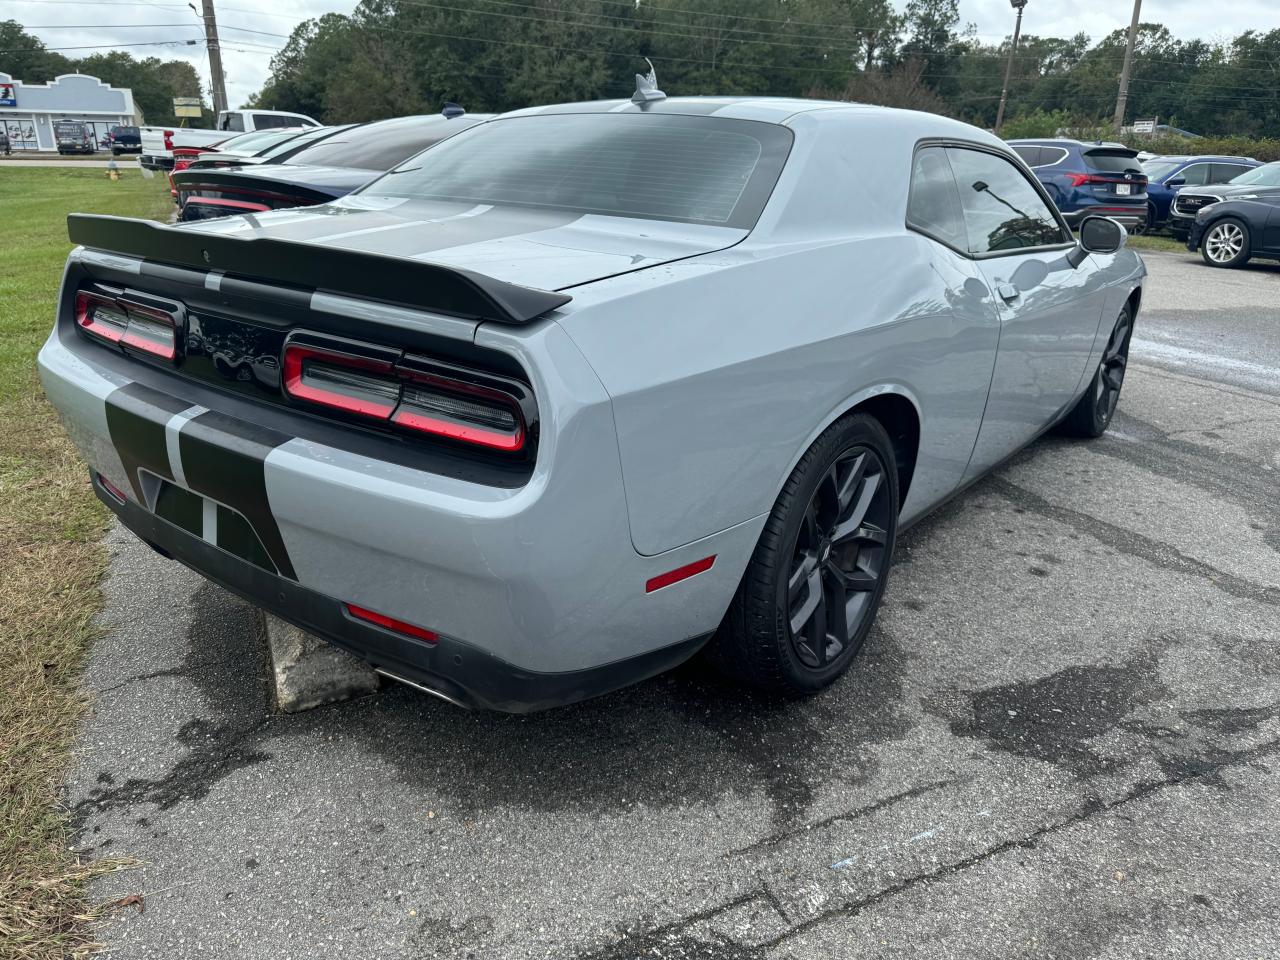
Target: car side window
{"points": [[1031, 155], [1222, 172], [1196, 175], [933, 206], [1002, 210]]}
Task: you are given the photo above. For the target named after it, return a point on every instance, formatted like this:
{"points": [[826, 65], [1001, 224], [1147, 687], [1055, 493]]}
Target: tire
{"points": [[1092, 413], [826, 547], [1150, 225], [1226, 244]]}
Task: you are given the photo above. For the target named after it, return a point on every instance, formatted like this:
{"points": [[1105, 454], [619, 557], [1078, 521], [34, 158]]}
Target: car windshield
{"points": [[1267, 175], [693, 169], [1159, 169], [299, 140], [1113, 160], [249, 144]]}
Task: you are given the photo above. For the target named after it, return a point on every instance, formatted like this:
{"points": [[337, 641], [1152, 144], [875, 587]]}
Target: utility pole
{"points": [[215, 58], [1008, 67], [1123, 98]]}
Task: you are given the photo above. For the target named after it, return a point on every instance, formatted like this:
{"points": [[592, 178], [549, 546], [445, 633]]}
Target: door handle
{"points": [[1008, 292]]}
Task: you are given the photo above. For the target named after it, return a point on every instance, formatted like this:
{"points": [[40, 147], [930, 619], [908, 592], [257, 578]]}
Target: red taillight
{"points": [[679, 573], [1083, 179], [149, 329], [168, 139], [391, 623], [460, 411], [101, 316], [413, 394], [343, 381], [231, 206]]}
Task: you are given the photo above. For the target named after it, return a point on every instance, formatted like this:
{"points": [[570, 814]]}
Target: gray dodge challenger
{"points": [[589, 388]]}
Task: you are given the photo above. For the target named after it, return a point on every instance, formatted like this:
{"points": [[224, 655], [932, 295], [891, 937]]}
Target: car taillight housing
{"points": [[168, 139], [1085, 179], [410, 393], [120, 321]]}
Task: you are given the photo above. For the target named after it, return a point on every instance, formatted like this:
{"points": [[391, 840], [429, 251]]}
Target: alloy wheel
{"points": [[840, 559], [1224, 242], [1111, 372]]}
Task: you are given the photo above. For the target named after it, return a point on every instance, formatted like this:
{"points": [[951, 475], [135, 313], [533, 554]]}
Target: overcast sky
{"points": [[94, 24]]}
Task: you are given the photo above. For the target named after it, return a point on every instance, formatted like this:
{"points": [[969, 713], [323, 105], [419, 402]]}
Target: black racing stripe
{"points": [[136, 418], [225, 459]]}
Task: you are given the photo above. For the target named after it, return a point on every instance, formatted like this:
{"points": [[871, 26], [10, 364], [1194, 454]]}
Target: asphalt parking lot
{"points": [[1062, 739]]}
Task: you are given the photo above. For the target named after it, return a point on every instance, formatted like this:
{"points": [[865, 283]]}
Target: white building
{"points": [[28, 110]]}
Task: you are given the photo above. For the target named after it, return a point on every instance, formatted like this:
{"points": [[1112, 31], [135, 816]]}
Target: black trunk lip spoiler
{"points": [[412, 283]]}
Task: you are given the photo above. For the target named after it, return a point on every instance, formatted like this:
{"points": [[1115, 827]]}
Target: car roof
{"points": [[766, 109]]}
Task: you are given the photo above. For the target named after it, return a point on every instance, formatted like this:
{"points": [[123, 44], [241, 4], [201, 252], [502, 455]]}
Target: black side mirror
{"points": [[1175, 181], [1097, 235], [1101, 235]]}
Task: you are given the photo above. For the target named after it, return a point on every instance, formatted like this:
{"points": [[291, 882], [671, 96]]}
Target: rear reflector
{"points": [[111, 488], [680, 573], [391, 623]]}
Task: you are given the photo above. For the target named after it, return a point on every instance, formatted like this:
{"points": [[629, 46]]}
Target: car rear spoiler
{"points": [[427, 286]]}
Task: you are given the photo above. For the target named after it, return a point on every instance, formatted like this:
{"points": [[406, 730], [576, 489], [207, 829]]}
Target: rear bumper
{"points": [[458, 671], [538, 584], [155, 162], [1129, 216]]}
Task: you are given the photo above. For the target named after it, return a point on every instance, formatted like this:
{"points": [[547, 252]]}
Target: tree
{"points": [[25, 58]]}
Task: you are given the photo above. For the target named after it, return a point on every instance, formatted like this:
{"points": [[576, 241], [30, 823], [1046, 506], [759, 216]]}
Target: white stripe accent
{"points": [[210, 517], [404, 317], [171, 431], [472, 212], [213, 280]]}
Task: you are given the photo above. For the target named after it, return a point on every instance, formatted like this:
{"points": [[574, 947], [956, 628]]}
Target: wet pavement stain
{"points": [[1054, 718]]}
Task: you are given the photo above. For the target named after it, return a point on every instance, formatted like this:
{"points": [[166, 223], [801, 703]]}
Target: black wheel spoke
{"points": [[839, 555]]}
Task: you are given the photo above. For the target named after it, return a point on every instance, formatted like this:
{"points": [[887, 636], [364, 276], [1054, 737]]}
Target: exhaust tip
{"points": [[422, 688]]}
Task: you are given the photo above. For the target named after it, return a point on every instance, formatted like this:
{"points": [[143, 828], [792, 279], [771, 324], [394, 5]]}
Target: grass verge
{"points": [[1158, 242], [51, 562]]}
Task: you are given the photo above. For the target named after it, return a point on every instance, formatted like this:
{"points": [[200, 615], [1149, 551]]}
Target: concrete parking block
{"points": [[310, 672]]}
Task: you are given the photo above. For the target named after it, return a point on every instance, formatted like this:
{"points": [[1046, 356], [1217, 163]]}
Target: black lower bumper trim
{"points": [[455, 669]]}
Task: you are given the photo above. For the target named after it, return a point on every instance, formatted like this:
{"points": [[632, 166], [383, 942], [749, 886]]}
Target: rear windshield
{"points": [[248, 144], [1158, 169], [299, 140], [1267, 175], [693, 169], [1113, 161], [380, 146]]}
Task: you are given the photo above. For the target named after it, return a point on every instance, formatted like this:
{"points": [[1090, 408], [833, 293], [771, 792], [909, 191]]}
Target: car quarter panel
{"points": [[723, 373]]}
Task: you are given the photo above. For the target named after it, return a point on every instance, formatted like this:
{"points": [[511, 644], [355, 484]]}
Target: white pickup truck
{"points": [[158, 142]]}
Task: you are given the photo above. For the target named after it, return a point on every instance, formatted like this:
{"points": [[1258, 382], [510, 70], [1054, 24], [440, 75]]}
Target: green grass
{"points": [[51, 563], [1158, 242]]}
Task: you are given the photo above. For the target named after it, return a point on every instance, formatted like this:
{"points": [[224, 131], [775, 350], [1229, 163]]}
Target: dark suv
{"points": [[124, 140], [1089, 178]]}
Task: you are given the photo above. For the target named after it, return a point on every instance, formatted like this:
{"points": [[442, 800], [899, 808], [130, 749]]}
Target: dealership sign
{"points": [[7, 97]]}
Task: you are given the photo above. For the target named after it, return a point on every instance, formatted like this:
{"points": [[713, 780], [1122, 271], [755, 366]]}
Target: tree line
{"points": [[406, 56], [154, 82]]}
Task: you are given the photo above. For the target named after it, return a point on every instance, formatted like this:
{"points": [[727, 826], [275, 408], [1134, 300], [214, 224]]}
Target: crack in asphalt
{"points": [[784, 835], [659, 940], [1139, 791], [1135, 544]]}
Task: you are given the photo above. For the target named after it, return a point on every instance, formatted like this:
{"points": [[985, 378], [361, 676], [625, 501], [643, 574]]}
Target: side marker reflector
{"points": [[679, 573], [390, 623]]}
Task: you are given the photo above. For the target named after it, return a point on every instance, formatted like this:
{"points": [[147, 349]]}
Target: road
{"points": [[1060, 741]]}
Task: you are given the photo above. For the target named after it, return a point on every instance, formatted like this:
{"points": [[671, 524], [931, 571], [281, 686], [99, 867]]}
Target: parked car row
{"points": [[303, 167]]}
